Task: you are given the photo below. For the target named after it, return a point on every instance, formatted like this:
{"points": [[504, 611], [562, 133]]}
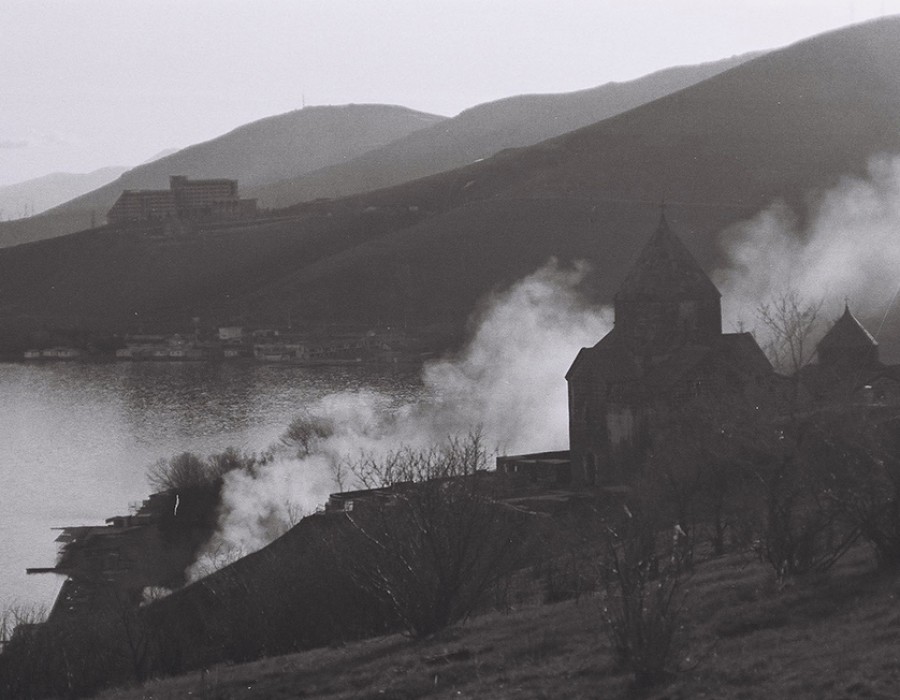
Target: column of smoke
{"points": [[849, 250], [509, 382]]}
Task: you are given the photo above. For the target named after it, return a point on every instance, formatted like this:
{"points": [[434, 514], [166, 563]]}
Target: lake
{"points": [[77, 438]]}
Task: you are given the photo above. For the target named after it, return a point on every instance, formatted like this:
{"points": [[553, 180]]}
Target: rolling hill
{"points": [[271, 149], [336, 151], [786, 125], [482, 131]]}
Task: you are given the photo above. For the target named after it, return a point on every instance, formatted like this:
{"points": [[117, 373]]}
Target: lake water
{"points": [[75, 439]]}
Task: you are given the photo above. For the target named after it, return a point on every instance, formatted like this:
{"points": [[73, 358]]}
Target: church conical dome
{"points": [[666, 298], [848, 342], [666, 269]]}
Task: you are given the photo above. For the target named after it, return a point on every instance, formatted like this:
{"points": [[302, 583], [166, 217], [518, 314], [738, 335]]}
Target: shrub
{"points": [[864, 450], [183, 472], [306, 431], [190, 472], [641, 577]]}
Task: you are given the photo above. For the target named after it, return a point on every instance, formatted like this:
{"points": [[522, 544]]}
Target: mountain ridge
{"points": [[486, 129], [272, 147], [429, 250]]}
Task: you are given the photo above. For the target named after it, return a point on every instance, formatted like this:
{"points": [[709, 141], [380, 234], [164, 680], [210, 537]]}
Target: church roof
{"points": [[608, 360], [847, 332], [611, 364], [666, 270]]}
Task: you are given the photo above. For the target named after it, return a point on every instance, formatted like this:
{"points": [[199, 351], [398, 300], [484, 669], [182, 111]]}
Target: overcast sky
{"points": [[89, 83]]}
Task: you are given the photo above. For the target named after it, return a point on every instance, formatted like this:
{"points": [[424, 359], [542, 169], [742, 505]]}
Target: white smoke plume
{"points": [[511, 378], [509, 382], [849, 249]]}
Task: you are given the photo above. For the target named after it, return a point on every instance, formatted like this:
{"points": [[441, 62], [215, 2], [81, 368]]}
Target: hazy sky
{"points": [[89, 83]]}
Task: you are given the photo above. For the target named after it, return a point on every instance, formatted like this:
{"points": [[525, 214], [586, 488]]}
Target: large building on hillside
{"points": [[185, 200], [667, 346]]}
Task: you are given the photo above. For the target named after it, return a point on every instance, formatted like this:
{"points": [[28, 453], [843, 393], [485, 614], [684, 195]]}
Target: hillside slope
{"points": [[283, 146], [482, 131], [831, 638], [786, 125]]}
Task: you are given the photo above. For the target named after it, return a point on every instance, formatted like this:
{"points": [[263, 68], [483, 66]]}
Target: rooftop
{"points": [[664, 270]]}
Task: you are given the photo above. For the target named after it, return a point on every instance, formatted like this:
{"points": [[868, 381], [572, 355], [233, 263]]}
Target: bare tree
{"points": [[29, 657], [190, 472], [860, 452], [641, 575], [701, 461], [800, 524], [729, 463], [183, 471], [17, 616], [434, 541], [791, 324], [306, 431]]}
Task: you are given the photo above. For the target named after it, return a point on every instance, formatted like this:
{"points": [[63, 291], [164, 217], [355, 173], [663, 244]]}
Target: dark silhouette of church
{"points": [[667, 348]]}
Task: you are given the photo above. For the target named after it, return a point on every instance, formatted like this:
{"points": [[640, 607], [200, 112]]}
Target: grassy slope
{"points": [[832, 637]]}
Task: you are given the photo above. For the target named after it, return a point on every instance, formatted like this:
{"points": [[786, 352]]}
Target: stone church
{"points": [[667, 346]]}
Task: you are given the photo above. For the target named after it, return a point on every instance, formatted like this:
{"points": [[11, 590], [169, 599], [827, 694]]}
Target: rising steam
{"points": [[509, 382], [849, 250]]}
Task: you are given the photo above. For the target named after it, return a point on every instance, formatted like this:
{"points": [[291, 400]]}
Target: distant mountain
{"points": [[34, 196], [330, 151], [275, 148], [788, 125], [482, 131]]}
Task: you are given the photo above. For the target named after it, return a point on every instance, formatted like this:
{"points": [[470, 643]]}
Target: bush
{"points": [[306, 431], [190, 472], [182, 472], [801, 521], [194, 484], [862, 450]]}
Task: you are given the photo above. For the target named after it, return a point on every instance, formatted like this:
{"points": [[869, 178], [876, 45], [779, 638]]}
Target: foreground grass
{"points": [[832, 637]]}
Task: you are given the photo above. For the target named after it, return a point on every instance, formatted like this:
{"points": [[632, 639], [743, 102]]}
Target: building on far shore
{"points": [[186, 200]]}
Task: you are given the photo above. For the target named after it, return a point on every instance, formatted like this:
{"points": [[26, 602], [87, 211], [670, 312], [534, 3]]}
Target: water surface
{"points": [[75, 439]]}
